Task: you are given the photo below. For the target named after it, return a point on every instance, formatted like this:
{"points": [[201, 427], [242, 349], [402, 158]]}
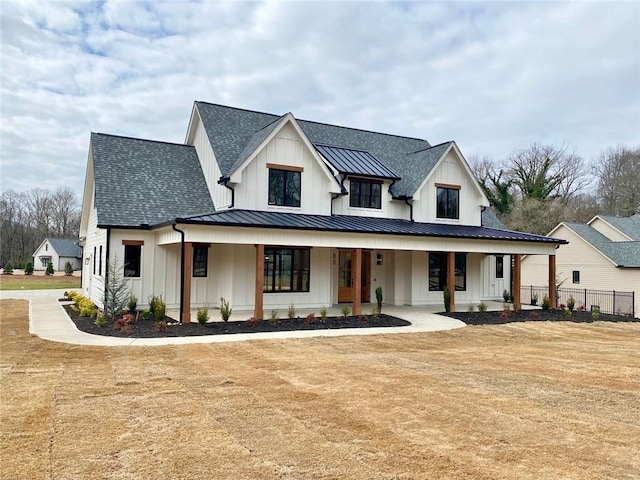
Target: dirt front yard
{"points": [[524, 400]]}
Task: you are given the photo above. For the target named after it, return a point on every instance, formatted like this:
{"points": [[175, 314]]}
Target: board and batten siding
{"points": [[93, 283], [450, 171], [288, 149], [220, 194]]}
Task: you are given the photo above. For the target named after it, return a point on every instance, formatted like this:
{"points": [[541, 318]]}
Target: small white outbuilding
{"points": [[57, 251]]}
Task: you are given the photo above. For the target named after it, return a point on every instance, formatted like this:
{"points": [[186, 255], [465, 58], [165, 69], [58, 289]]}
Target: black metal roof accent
{"points": [[355, 224], [355, 162]]}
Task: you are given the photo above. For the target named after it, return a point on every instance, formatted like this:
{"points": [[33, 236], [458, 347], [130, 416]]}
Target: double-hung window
{"points": [[365, 194], [448, 201], [284, 186], [200, 260], [438, 271], [286, 269]]}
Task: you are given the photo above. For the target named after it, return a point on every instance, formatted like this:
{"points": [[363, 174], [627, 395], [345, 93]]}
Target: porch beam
{"points": [[186, 291], [451, 278], [357, 281], [552, 280], [258, 311], [517, 281]]}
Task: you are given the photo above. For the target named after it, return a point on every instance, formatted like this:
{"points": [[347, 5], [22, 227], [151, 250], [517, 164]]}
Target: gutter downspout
{"points": [[406, 199], [224, 181], [342, 193], [181, 232]]}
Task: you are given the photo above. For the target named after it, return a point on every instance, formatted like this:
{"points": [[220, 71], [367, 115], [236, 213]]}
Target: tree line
{"points": [[534, 189], [27, 218]]}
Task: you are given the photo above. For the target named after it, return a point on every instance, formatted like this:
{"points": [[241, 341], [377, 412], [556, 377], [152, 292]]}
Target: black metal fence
{"points": [[607, 301]]}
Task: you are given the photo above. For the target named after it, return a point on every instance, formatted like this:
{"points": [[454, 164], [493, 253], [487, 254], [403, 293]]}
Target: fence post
{"points": [[585, 299], [614, 302], [633, 303]]}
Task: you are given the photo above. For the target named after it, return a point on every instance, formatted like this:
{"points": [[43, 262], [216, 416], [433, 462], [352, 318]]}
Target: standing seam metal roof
{"points": [[355, 162]]}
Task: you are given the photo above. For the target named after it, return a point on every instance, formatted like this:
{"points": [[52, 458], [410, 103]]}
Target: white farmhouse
{"points": [[268, 210], [603, 255], [57, 251]]}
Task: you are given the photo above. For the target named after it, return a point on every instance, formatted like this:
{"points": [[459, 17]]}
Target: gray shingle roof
{"points": [[630, 226], [623, 254], [230, 130], [144, 181], [65, 247], [354, 224], [491, 220]]}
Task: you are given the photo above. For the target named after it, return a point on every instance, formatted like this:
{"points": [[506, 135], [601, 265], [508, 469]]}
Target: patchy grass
{"points": [[39, 281], [536, 400]]}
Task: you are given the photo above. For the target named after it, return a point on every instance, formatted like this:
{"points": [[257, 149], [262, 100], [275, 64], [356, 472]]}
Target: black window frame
{"points": [[200, 261], [100, 261], [446, 197], [499, 266], [95, 255], [575, 274], [365, 199], [287, 270], [132, 261], [287, 197], [437, 271]]}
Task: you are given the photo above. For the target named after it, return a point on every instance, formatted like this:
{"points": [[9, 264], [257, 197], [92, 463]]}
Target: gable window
{"points": [[499, 267], [200, 260], [438, 271], [365, 194], [447, 201], [284, 185], [132, 255], [286, 269], [576, 276]]}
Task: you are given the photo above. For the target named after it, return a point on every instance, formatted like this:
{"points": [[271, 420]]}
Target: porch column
{"points": [[356, 272], [258, 311], [517, 281], [552, 280], [451, 278], [186, 291]]}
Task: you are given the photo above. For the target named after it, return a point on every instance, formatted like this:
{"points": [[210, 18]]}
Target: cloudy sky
{"points": [[494, 77]]}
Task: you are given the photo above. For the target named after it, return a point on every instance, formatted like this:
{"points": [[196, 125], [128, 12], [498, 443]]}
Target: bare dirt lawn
{"points": [[525, 400]]}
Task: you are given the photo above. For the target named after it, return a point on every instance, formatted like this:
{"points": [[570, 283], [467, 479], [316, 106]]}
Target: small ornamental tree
{"points": [[68, 269], [447, 298], [116, 291], [8, 269], [49, 270], [28, 269]]}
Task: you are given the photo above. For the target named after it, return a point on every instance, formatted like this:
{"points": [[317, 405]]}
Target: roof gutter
{"points": [[181, 232], [406, 199], [224, 181]]}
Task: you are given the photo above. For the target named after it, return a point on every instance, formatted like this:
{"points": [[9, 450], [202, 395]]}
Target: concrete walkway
{"points": [[49, 321]]}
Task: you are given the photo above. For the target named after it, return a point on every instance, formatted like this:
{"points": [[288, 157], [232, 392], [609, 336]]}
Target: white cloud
{"points": [[493, 77]]}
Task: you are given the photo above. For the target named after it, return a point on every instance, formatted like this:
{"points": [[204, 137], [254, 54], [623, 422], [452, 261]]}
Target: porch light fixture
{"points": [[86, 261], [378, 259]]}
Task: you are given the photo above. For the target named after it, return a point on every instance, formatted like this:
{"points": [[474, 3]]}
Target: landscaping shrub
{"points": [[291, 313], [124, 323], [379, 299], [145, 314], [160, 310], [534, 299], [311, 319], [346, 310], [132, 304], [160, 326], [225, 309], [203, 315], [28, 269], [323, 314], [482, 307], [274, 317], [471, 307], [49, 270], [68, 269], [8, 269], [505, 295], [374, 311], [571, 303], [155, 304], [100, 321], [546, 303], [595, 313], [447, 298], [566, 311], [363, 319]]}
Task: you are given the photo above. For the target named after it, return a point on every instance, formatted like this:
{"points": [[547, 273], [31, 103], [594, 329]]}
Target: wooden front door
{"points": [[345, 276]]}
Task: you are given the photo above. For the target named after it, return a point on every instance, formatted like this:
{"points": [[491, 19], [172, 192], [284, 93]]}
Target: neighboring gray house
{"points": [[603, 254], [58, 251]]}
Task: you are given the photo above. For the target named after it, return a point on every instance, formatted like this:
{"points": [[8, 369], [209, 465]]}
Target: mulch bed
{"points": [[147, 329], [498, 318]]}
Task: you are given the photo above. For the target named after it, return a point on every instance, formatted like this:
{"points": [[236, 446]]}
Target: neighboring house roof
{"points": [[64, 247], [630, 226], [355, 224], [233, 131], [622, 254], [491, 220], [144, 182], [355, 162]]}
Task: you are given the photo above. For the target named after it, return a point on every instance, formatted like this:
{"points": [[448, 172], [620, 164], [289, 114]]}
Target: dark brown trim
{"points": [[448, 185], [365, 180], [201, 245], [291, 168], [137, 243]]}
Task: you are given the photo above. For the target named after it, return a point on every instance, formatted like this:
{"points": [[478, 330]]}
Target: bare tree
{"points": [[535, 216], [544, 172], [618, 172], [65, 213], [495, 184]]}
